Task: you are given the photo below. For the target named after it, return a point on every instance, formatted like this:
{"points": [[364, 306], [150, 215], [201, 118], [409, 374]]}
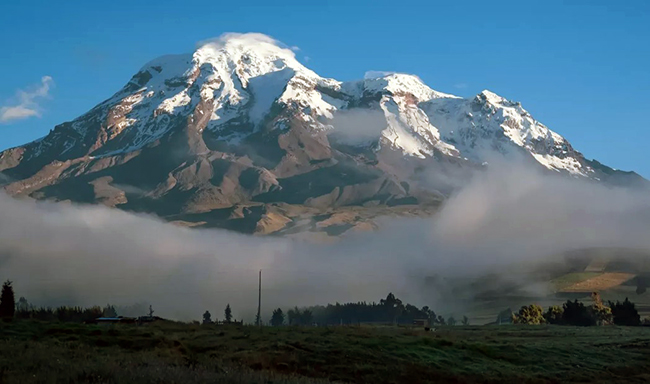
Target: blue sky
{"points": [[580, 67]]}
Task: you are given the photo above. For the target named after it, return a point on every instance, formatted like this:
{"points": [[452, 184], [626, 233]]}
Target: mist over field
{"points": [[503, 222]]}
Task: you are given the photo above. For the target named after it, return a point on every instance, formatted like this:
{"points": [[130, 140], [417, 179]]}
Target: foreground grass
{"points": [[33, 352]]}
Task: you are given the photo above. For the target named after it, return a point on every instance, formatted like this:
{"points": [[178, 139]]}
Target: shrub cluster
{"points": [[577, 313]]}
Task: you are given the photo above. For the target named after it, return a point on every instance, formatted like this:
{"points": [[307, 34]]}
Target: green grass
{"points": [[32, 352]]}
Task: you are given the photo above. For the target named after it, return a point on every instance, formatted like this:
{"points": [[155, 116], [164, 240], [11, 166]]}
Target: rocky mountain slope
{"points": [[241, 135]]}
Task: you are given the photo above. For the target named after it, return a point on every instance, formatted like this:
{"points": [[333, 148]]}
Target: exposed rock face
{"points": [[240, 135]]}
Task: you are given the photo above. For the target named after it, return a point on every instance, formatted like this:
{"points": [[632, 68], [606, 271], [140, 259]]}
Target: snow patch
{"points": [[266, 89]]}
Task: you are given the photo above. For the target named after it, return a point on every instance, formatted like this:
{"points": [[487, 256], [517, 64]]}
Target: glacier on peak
{"points": [[402, 83]]}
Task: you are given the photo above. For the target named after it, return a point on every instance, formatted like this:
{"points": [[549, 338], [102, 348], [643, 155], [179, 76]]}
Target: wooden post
{"points": [[259, 302]]}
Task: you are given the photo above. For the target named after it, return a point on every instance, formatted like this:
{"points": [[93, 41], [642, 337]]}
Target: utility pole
{"points": [[259, 302]]}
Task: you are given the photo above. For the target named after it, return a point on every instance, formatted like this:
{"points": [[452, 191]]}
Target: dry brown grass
{"points": [[600, 283]]}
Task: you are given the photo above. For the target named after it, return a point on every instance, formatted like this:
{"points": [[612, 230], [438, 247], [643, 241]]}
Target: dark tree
{"points": [[22, 305], [278, 318], [109, 311], [625, 313], [207, 318], [576, 313], [294, 316], [451, 321], [394, 305], [554, 315], [307, 317], [7, 301], [228, 313], [465, 320], [428, 313]]}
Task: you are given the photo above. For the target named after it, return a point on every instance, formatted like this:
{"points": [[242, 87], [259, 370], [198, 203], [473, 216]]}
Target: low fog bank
{"points": [[504, 223], [62, 254], [512, 215], [358, 126]]}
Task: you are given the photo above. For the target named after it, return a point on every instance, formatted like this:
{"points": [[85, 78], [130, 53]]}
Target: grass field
{"points": [[565, 281], [601, 282], [32, 352]]}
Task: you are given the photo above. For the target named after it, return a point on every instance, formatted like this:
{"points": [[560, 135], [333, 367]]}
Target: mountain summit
{"points": [[241, 135]]}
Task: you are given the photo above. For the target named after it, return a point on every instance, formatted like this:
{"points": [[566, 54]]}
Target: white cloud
{"points": [[16, 113], [295, 48], [504, 224], [460, 85], [238, 39], [27, 105], [258, 40], [377, 74]]}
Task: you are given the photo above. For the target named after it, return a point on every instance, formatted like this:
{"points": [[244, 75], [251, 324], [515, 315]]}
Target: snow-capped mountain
{"points": [[240, 128]]}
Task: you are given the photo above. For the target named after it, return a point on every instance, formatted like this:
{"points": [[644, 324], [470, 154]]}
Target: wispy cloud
{"points": [[27, 105], [460, 85], [294, 48], [377, 74]]}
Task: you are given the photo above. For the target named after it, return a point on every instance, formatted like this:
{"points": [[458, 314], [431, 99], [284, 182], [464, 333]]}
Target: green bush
{"points": [[530, 314]]}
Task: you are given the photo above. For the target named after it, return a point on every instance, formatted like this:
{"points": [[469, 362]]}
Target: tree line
{"points": [[390, 310], [22, 309], [579, 314]]}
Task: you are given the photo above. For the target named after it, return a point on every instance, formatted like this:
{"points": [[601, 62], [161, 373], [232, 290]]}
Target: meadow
{"points": [[169, 352]]}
